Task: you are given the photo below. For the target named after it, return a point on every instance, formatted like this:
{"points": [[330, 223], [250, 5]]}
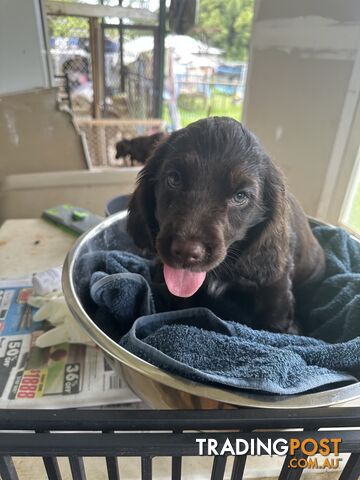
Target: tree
{"points": [[68, 27], [226, 25]]}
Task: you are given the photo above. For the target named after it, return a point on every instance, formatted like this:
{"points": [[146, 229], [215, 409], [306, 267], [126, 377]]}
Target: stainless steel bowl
{"points": [[156, 387]]}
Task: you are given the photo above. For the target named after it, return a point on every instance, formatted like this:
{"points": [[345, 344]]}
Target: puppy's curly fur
{"points": [[213, 184]]}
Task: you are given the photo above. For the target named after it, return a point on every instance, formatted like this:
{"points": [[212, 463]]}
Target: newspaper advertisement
{"points": [[61, 376]]}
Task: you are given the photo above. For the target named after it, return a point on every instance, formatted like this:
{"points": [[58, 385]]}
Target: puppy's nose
{"points": [[187, 252]]}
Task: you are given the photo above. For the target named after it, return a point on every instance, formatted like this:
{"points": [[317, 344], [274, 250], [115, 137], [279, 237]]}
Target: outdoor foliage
{"points": [[226, 25], [222, 24], [68, 27], [78, 26], [354, 218], [219, 104]]}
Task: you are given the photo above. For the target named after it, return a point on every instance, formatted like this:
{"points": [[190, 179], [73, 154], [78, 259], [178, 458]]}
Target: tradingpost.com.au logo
{"points": [[302, 451]]}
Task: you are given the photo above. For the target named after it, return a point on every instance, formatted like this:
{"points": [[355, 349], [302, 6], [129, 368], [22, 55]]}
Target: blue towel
{"points": [[330, 309], [199, 345]]}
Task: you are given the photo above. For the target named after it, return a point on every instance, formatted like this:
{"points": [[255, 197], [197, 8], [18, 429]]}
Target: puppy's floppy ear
{"points": [[270, 250], [127, 144], [122, 148], [142, 225], [118, 148], [274, 193]]}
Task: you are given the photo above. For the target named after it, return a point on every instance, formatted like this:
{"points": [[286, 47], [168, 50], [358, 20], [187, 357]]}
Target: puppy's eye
{"points": [[173, 179], [240, 198]]}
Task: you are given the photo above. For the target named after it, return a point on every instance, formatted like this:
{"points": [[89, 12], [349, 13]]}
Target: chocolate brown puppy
{"points": [[138, 148], [216, 210]]}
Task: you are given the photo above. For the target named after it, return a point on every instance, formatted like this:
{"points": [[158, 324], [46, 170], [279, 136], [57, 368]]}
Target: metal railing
{"points": [[147, 434]]}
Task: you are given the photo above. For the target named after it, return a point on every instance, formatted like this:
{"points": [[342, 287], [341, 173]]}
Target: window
{"points": [[350, 216]]}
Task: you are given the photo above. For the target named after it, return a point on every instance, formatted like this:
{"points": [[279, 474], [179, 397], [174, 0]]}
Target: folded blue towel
{"points": [[330, 308], [199, 345]]}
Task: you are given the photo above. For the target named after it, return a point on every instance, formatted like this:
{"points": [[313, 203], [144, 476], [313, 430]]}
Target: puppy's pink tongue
{"points": [[183, 283]]}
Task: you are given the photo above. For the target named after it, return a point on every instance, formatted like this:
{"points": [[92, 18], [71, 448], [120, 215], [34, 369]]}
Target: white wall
{"points": [[22, 51], [302, 92]]}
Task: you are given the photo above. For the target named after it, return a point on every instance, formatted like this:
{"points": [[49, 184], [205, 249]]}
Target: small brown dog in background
{"points": [[138, 148]]}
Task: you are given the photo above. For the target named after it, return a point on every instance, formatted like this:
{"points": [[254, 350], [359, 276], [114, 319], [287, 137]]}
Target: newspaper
{"points": [[62, 376]]}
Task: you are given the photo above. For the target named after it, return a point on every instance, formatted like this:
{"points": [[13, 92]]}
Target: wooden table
{"points": [[31, 245]]}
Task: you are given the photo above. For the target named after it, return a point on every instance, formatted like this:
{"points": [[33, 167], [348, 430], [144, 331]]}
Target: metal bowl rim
{"points": [[223, 395]]}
